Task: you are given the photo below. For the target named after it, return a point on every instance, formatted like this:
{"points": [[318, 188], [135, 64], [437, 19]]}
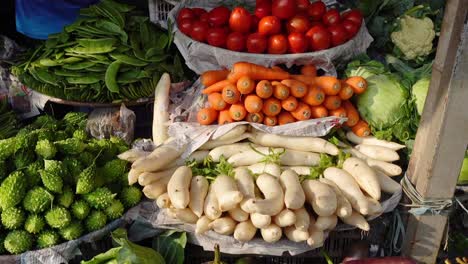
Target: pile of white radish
{"points": [[274, 196]]}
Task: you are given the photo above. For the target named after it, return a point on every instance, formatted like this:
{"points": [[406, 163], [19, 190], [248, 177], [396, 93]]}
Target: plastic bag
{"points": [[106, 122]]}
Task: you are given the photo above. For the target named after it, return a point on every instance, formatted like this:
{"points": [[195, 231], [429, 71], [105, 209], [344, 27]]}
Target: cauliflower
{"points": [[414, 39]]}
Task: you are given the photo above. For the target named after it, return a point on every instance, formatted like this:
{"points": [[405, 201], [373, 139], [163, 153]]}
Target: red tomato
{"points": [[185, 13], [297, 42], [339, 35], [316, 10], [319, 38], [269, 25], [316, 23], [283, 9], [185, 25], [298, 24], [219, 16], [302, 5], [254, 23], [199, 31], [216, 37], [354, 16], [331, 17], [256, 43], [205, 17], [351, 28], [262, 9], [240, 20], [277, 44], [236, 41], [198, 11]]}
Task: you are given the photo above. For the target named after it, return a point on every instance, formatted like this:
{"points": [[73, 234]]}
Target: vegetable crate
{"points": [[159, 9]]}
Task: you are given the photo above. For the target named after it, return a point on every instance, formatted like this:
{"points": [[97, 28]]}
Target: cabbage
{"points": [[463, 178], [419, 93]]}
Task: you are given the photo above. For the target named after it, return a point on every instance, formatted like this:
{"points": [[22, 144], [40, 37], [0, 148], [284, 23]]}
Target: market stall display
{"points": [[9, 124]]}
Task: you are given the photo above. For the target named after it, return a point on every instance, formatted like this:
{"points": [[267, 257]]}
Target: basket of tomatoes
{"points": [[211, 34]]}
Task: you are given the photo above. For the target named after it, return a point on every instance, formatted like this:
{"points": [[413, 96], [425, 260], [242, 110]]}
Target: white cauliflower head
{"points": [[415, 37]]}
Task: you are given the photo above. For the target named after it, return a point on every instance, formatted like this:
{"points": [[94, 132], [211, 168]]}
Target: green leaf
{"points": [[132, 253], [171, 245], [111, 254]]}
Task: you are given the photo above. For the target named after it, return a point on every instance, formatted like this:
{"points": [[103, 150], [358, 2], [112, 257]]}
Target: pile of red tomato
{"points": [[276, 27]]}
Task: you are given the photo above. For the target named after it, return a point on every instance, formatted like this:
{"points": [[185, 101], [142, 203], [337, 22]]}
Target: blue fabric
{"points": [[39, 18]]}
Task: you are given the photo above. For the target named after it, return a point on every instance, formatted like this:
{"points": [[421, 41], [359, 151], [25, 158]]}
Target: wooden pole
{"points": [[442, 137]]}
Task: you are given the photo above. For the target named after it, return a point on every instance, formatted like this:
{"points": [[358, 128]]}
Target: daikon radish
{"points": [[316, 237], [146, 178], [357, 220], [294, 196], [161, 109], [364, 176], [343, 206], [269, 168], [296, 143], [198, 192], [370, 140], [246, 185], [223, 226], [211, 206], [378, 153], [386, 183], [155, 189], [211, 144], [227, 194], [158, 159], [185, 215], [178, 187], [285, 218], [245, 231], [300, 170], [202, 225], [296, 235], [349, 188], [288, 157], [302, 219], [271, 233], [233, 133], [259, 220], [228, 151], [388, 168], [133, 176], [326, 222], [273, 193], [133, 154], [198, 156], [374, 206], [320, 196], [163, 201], [238, 214]]}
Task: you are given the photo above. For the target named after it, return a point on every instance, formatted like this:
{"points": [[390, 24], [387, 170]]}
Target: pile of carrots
{"points": [[272, 96]]}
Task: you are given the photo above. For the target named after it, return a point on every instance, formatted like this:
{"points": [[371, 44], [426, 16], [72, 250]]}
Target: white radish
{"points": [[294, 196], [233, 133], [158, 159], [178, 187], [357, 220], [273, 193], [285, 218], [133, 176], [133, 154], [316, 237], [375, 208], [311, 144], [211, 206], [211, 144], [161, 109], [228, 151], [198, 156], [349, 188], [223, 226], [378, 153], [288, 157], [364, 176], [246, 185], [387, 167], [320, 196], [146, 178], [326, 222], [296, 235], [300, 170], [245, 231], [227, 194], [238, 214], [202, 225], [302, 219], [163, 201], [343, 206], [270, 168], [271, 233], [370, 140], [155, 189], [185, 215], [386, 183], [198, 192], [259, 220]]}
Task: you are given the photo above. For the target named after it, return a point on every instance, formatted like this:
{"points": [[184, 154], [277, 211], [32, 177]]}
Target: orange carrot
{"points": [[309, 70], [302, 112], [319, 111], [280, 91], [309, 80], [329, 84], [339, 112], [361, 129], [277, 68], [237, 112], [357, 83], [332, 102], [351, 113], [224, 117], [264, 89], [346, 91], [206, 116], [254, 117], [271, 107], [217, 87], [270, 121], [285, 118], [230, 94], [298, 89], [245, 85], [256, 72], [253, 103], [216, 101], [289, 104], [314, 96], [211, 77]]}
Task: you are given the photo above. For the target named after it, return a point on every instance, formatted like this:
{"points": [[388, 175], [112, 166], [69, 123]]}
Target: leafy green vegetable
{"points": [[170, 245], [133, 253]]}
